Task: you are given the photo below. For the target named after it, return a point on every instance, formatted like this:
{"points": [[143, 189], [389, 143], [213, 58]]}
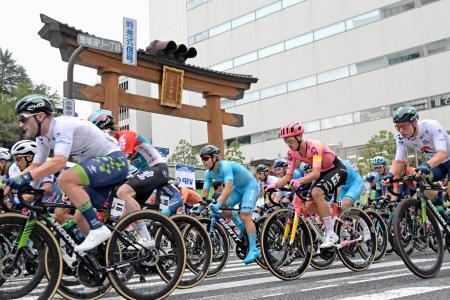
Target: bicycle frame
{"points": [[219, 217]]}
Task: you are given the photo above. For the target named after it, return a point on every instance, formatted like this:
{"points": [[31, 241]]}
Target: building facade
{"points": [[339, 66]]}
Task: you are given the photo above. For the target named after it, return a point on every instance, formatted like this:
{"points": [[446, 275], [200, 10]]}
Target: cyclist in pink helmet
{"points": [[327, 174]]}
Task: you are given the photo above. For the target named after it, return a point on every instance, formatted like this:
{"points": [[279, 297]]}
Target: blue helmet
{"points": [[370, 177], [102, 118], [379, 160], [280, 163]]}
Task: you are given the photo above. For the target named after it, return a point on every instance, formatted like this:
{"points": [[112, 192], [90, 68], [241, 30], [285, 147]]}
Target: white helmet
{"points": [[4, 154], [24, 147]]}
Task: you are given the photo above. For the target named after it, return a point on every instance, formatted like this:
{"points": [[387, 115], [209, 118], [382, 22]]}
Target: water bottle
{"points": [[74, 231]]}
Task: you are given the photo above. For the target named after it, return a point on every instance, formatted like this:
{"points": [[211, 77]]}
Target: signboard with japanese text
{"points": [[69, 107], [172, 87], [185, 175], [129, 54], [99, 43]]}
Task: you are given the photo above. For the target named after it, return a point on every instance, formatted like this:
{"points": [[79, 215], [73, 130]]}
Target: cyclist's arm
{"points": [[440, 143], [311, 176], [438, 158], [50, 167], [317, 152]]}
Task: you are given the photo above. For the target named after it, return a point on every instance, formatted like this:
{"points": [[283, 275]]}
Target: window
{"points": [[302, 83], [226, 103], [125, 127], [371, 114], [287, 3], [230, 141], [329, 31], [337, 121], [219, 29], [332, 75], [191, 40], [312, 126], [194, 3], [271, 50], [246, 58], [223, 66], [269, 9], [368, 65], [273, 91], [298, 41], [396, 9], [198, 38], [243, 20], [256, 137], [405, 55], [249, 97], [270, 135], [124, 85], [437, 47], [124, 113], [419, 104], [243, 140], [364, 19]]}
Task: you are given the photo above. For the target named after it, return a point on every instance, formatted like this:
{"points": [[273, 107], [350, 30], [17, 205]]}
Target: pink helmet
{"points": [[291, 129]]}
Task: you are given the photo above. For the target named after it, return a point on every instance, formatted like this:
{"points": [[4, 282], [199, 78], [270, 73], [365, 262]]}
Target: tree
{"points": [[234, 153], [11, 74], [183, 155], [382, 144]]}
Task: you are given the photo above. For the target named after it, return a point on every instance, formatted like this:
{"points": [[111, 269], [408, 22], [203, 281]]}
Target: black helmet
{"points": [[405, 114], [34, 103], [209, 150], [262, 168]]}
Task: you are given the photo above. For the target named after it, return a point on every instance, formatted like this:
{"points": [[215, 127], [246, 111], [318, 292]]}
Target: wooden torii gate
{"points": [[212, 84]]}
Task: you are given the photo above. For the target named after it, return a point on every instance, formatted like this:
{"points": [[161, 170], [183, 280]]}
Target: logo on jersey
{"points": [[145, 174], [426, 149]]}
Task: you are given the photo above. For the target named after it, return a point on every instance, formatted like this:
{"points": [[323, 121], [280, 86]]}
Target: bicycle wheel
{"points": [[285, 260], [137, 272], [21, 280], [381, 233], [322, 258], [198, 250], [411, 233], [355, 253], [220, 244]]}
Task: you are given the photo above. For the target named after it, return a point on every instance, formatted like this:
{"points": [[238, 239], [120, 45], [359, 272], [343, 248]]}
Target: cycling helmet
{"points": [[24, 147], [262, 168], [209, 150], [102, 118], [305, 168], [34, 103], [279, 163], [4, 154], [370, 177], [378, 160], [405, 114], [292, 129]]}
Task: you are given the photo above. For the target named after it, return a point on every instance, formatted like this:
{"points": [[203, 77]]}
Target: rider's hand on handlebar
{"points": [[216, 206], [271, 186], [387, 179], [424, 169], [295, 183]]}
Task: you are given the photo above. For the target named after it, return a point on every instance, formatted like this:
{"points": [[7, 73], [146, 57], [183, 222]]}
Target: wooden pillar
{"points": [[215, 134], [110, 82]]}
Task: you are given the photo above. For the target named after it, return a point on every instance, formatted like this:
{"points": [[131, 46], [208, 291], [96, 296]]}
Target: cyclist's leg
{"points": [[234, 199], [248, 204], [97, 173]]}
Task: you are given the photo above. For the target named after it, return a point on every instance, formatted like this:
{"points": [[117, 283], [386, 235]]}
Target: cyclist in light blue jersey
{"points": [[380, 166], [350, 192], [240, 188]]}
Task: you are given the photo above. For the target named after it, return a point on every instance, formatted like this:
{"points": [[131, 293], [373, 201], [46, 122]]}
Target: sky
{"points": [[20, 24]]}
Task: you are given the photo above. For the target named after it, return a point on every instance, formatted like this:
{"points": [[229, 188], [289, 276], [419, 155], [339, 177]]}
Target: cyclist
{"points": [[240, 188], [5, 163], [326, 175], [101, 163], [190, 197], [427, 136], [371, 192], [381, 168]]}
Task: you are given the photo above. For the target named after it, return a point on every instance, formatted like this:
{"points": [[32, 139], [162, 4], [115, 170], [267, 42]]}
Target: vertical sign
{"points": [[69, 107], [185, 175], [129, 53]]}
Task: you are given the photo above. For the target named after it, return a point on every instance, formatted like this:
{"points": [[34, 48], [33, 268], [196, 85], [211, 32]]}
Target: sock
{"points": [[328, 222], [252, 242], [238, 222], [142, 230], [88, 212]]}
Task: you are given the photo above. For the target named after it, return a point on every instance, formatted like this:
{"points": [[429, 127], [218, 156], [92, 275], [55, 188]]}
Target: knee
{"points": [[245, 216], [317, 194], [125, 191]]}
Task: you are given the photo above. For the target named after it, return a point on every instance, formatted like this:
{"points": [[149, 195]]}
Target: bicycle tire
{"points": [[51, 252], [404, 207], [267, 244], [164, 226], [221, 247], [382, 234], [346, 253], [327, 256]]}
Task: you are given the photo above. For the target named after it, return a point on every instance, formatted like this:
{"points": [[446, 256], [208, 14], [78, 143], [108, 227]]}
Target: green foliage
{"points": [[382, 144], [234, 153], [183, 155], [15, 84]]}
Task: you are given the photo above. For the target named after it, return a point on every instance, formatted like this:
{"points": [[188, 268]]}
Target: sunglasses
{"points": [[289, 140], [205, 158], [278, 169], [22, 118], [403, 126], [18, 158], [378, 167]]}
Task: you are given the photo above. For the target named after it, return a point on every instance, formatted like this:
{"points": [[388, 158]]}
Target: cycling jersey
{"points": [[353, 186], [318, 155], [190, 197], [245, 188], [431, 138], [139, 149], [70, 136]]}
